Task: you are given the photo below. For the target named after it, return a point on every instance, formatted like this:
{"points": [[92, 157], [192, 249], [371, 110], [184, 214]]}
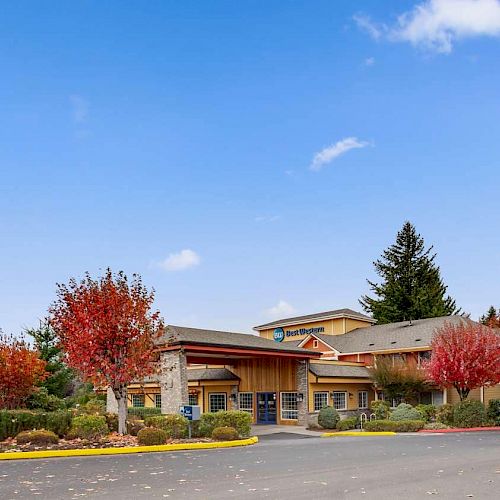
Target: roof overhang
{"points": [[394, 350]]}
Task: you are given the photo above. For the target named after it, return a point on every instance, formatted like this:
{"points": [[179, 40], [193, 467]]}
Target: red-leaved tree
{"points": [[108, 331], [466, 356], [21, 370]]}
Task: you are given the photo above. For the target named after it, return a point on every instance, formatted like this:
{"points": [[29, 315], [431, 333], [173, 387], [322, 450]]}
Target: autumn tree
{"points": [[411, 286], [108, 331], [491, 318], [465, 355], [21, 370]]}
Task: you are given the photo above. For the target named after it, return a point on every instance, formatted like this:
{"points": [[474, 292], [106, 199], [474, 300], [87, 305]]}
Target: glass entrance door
{"points": [[266, 407]]}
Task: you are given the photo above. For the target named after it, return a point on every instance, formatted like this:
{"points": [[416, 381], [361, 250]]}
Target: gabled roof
{"points": [[181, 335], [210, 374], [391, 336], [334, 370], [337, 313], [326, 339]]}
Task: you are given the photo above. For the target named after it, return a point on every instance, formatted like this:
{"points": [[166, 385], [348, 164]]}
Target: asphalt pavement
{"points": [[449, 466]]}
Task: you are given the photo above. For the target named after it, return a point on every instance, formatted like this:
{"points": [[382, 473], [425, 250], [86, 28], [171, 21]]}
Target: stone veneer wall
{"points": [[301, 371], [173, 381]]}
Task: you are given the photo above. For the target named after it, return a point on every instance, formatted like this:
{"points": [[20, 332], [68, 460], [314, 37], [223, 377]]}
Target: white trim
{"points": [[333, 399], [316, 319], [281, 405], [324, 342], [363, 407], [216, 394], [251, 411], [315, 343], [320, 392]]}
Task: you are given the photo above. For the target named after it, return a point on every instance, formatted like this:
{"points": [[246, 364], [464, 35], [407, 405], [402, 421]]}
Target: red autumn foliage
{"points": [[21, 370], [465, 356], [107, 330]]}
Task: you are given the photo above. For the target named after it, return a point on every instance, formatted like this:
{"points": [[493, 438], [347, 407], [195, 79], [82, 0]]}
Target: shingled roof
{"points": [[337, 313], [402, 335], [194, 374], [333, 370], [180, 335]]}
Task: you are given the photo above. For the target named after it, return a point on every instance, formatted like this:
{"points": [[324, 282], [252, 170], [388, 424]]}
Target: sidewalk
{"points": [[267, 430]]}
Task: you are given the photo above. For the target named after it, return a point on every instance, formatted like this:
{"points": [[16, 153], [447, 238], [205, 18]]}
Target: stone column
{"points": [[173, 381], [234, 403], [111, 402], [301, 372]]}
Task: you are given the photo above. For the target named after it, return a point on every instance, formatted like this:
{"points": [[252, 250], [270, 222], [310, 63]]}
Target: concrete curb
{"points": [[452, 430], [360, 433], [17, 455]]}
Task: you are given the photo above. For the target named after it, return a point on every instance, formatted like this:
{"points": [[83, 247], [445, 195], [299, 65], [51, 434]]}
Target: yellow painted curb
{"points": [[361, 433], [131, 449]]}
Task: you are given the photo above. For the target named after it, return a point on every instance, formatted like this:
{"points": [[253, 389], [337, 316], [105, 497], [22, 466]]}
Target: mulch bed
{"points": [[113, 440]]}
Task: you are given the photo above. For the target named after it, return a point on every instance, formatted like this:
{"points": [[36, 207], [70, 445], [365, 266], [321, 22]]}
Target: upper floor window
{"points": [[422, 357]]}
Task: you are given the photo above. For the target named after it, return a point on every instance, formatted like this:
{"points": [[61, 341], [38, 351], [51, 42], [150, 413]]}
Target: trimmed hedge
{"points": [[394, 425], [12, 422], [404, 411], [328, 417], [239, 420], [427, 412], [176, 426], [151, 436], [493, 413], [435, 426], [225, 434], [88, 427], [144, 412], [469, 413], [347, 424], [40, 436]]}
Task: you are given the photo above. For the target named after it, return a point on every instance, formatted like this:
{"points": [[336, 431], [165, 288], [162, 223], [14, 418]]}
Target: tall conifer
{"points": [[411, 286]]}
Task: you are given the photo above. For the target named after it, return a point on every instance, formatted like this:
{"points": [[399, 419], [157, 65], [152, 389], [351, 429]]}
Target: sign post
{"points": [[191, 412]]}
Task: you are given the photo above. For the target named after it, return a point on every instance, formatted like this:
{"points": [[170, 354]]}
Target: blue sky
{"points": [[176, 140]]}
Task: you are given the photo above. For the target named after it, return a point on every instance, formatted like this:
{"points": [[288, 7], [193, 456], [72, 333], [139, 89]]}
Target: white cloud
{"points": [[185, 259], [369, 61], [437, 24], [329, 153], [80, 108], [281, 309]]}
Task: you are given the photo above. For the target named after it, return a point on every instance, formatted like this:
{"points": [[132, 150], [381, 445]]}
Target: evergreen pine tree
{"points": [[411, 286], [491, 318]]}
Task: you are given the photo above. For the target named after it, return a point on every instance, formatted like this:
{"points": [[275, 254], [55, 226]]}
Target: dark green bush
{"points": [[40, 436], [493, 413], [12, 422], [394, 425], [89, 427], [225, 434], [427, 412], [43, 401], [239, 420], [444, 414], [328, 417], [176, 426], [405, 411], [93, 406], [469, 413], [151, 436], [144, 412], [380, 408], [347, 424]]}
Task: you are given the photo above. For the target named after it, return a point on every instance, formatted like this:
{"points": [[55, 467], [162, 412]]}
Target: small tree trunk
{"points": [[463, 392], [121, 399]]}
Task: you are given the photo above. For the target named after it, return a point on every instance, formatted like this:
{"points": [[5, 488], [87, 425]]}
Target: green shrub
{"points": [[176, 426], [404, 411], [225, 434], [89, 427], [135, 426], [40, 436], [381, 409], [435, 426], [12, 422], [394, 425], [328, 417], [444, 414], [43, 401], [144, 412], [427, 412], [347, 424], [239, 420], [469, 413], [151, 436], [493, 413], [93, 406]]}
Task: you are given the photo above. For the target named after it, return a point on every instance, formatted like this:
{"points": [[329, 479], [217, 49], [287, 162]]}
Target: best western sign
{"points": [[279, 334]]}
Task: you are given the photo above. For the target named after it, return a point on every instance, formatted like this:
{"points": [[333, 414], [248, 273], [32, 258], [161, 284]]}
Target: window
{"points": [[437, 398], [193, 399], [396, 402], [423, 356], [398, 359], [216, 401], [289, 410], [340, 400], [158, 400], [138, 400], [362, 400], [315, 344], [320, 400], [246, 401]]}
